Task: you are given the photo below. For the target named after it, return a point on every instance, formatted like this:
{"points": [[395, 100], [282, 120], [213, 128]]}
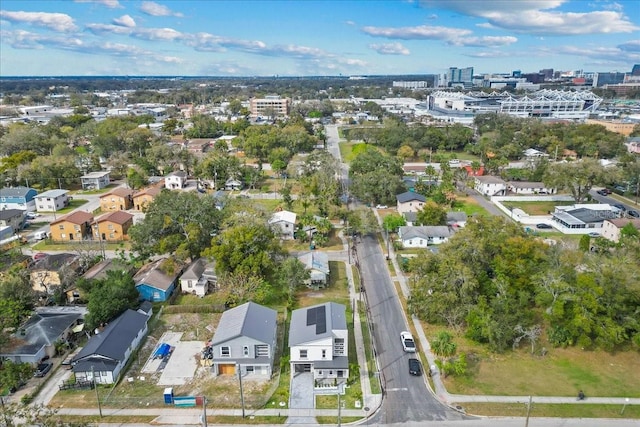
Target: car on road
{"points": [[633, 214], [408, 344], [39, 256], [619, 206], [43, 369], [415, 368], [594, 234], [382, 207], [544, 226], [604, 192], [32, 215]]}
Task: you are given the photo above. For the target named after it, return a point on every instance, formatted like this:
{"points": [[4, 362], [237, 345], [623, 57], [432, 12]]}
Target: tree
{"points": [[291, 275], [442, 344], [180, 223], [250, 248], [432, 214], [109, 297], [393, 221], [577, 177]]}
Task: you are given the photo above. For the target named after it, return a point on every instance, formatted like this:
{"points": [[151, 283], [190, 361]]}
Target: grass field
{"points": [[537, 208], [583, 410], [562, 372], [469, 206]]}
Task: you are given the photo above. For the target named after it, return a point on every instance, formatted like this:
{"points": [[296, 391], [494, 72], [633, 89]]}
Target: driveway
{"points": [[301, 397]]}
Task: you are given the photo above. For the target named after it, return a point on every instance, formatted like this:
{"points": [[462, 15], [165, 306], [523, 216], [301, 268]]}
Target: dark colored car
{"points": [[619, 206], [42, 369], [544, 226], [633, 214], [604, 192], [415, 368]]}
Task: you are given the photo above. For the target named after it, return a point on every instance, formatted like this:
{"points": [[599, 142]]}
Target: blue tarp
{"points": [[162, 351]]}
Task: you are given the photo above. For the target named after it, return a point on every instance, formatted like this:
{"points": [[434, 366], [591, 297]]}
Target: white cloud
{"points": [[390, 49], [125, 21], [155, 9], [167, 34], [419, 32], [490, 54], [630, 46], [538, 17], [487, 41], [111, 4], [107, 29], [610, 54], [54, 21]]}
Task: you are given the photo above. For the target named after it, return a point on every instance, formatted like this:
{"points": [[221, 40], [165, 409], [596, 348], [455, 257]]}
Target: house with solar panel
{"points": [[245, 340], [318, 342]]}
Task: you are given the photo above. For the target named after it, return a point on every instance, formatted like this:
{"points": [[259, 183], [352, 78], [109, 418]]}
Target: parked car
{"points": [[543, 226], [604, 192], [408, 344], [39, 256], [382, 206], [415, 368], [40, 235], [32, 215], [633, 214], [43, 369], [594, 234], [619, 206]]}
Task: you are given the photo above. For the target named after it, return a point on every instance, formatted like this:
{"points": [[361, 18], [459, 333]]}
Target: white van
{"points": [[41, 235]]}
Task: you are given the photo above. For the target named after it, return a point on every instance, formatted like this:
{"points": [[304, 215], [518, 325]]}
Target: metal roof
{"points": [[248, 320], [307, 323], [52, 193], [409, 196]]}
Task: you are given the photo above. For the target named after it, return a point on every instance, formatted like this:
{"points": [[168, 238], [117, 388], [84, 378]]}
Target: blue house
{"points": [[22, 198], [155, 283]]}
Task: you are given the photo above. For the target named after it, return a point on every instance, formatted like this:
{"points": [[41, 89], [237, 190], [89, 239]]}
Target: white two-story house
{"points": [[318, 341], [490, 185], [175, 180]]}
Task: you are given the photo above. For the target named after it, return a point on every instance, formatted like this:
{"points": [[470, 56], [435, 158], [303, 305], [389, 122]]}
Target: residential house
{"points": [[317, 263], [98, 272], [106, 354], [95, 180], [318, 342], [52, 200], [410, 218], [422, 236], [233, 184], [529, 188], [143, 198], [118, 199], [410, 202], [283, 223], [490, 185], [583, 218], [22, 198], [633, 145], [175, 180], [611, 228], [199, 278], [13, 218], [75, 226], [531, 155], [112, 226], [156, 281], [51, 270], [245, 340], [456, 219], [198, 146], [36, 338]]}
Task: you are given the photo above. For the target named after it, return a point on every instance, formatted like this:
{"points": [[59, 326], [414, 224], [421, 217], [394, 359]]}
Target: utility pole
{"points": [[95, 387], [339, 408], [204, 411], [241, 393], [7, 420], [526, 423]]}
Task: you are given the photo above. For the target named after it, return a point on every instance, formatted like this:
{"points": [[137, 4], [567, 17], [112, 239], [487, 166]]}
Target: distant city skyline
{"points": [[315, 38]]}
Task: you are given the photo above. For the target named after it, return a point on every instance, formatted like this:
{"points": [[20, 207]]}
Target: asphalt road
{"points": [[407, 398]]}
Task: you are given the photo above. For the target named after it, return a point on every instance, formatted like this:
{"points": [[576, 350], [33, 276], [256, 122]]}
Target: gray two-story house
{"points": [[245, 340]]}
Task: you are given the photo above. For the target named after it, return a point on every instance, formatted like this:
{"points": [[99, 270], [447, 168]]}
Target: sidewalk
{"points": [[451, 399]]}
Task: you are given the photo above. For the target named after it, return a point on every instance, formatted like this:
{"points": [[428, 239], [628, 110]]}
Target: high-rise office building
{"points": [[460, 75], [635, 71]]}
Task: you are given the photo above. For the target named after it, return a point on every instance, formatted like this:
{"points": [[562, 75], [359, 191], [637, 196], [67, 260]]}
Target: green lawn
{"points": [[561, 372], [583, 410], [538, 207], [469, 206]]}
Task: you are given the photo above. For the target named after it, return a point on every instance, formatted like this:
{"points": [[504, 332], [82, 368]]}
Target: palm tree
{"points": [[443, 345]]}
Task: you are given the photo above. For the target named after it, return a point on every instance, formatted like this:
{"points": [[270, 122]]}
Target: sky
{"points": [[307, 37]]}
